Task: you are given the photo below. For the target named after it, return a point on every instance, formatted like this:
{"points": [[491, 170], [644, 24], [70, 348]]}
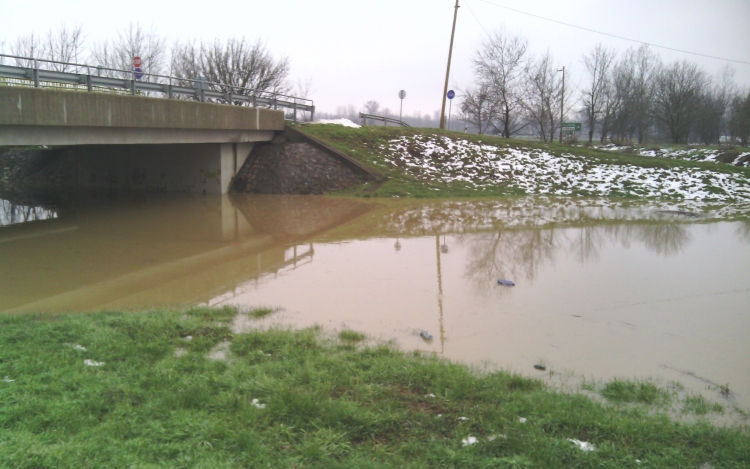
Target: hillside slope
{"points": [[434, 163]]}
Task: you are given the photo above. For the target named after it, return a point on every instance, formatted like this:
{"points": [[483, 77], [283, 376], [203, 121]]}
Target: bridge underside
{"points": [[135, 142]]}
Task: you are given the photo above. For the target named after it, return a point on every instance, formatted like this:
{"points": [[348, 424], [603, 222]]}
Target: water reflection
{"points": [[12, 213]]}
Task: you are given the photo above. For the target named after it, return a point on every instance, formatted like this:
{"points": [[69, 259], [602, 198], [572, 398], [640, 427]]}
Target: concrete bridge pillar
{"points": [[233, 156]]}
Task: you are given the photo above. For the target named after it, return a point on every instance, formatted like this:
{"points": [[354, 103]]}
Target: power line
{"points": [[475, 17], [611, 35]]}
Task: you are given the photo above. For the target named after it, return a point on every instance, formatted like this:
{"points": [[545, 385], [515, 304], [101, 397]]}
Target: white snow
{"points": [[341, 121], [537, 172]]}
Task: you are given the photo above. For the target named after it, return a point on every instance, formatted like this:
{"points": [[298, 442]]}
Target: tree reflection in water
{"points": [[11, 213]]}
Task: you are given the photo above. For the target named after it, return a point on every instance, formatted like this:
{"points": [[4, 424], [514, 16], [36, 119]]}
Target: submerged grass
{"points": [[294, 399]]}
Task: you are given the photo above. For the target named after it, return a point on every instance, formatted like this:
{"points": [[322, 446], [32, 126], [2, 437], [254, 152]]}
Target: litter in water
{"points": [[92, 363], [582, 445], [507, 283], [540, 366], [426, 335], [469, 441]]}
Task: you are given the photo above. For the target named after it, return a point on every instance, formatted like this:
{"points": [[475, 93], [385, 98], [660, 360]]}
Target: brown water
{"points": [[602, 289]]}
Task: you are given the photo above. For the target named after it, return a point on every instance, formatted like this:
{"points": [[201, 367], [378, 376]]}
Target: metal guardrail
{"points": [[384, 119], [29, 71]]}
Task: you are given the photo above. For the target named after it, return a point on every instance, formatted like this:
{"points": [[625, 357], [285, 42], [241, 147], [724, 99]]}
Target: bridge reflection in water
{"points": [[154, 250]]}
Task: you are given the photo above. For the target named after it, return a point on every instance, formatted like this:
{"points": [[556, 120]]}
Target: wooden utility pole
{"points": [[448, 71]]}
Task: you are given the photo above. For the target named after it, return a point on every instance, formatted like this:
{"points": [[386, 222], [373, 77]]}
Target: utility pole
{"points": [[448, 71], [562, 103]]}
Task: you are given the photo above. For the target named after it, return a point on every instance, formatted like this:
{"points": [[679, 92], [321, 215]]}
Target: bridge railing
{"points": [[383, 119], [29, 71]]}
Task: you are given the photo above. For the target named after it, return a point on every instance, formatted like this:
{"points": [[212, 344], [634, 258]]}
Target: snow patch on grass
{"points": [[536, 171]]}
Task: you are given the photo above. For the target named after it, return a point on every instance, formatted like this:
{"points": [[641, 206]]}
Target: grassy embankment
{"points": [[538, 168], [151, 398]]}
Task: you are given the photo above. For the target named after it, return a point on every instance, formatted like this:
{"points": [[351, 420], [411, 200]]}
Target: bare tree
{"points": [[677, 98], [598, 64], [134, 41], [739, 118], [242, 64], [542, 97], [478, 107], [372, 107], [499, 68], [27, 46], [64, 45]]}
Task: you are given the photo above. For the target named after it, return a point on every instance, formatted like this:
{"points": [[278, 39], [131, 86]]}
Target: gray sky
{"points": [[359, 50]]}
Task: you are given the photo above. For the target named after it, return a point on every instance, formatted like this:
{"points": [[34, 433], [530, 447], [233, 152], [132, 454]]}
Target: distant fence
{"points": [[40, 73], [383, 119]]}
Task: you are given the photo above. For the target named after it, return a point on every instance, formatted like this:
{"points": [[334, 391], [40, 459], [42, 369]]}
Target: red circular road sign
{"points": [[136, 62]]}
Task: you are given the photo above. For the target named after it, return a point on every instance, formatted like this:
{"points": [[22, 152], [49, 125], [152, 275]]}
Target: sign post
{"points": [[451, 94], [401, 95], [575, 126], [137, 71]]}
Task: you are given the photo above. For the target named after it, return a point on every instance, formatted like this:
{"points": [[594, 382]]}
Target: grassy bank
{"points": [[434, 163], [181, 389]]}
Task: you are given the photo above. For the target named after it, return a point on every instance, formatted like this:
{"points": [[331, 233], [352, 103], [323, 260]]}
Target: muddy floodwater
{"points": [[602, 289]]}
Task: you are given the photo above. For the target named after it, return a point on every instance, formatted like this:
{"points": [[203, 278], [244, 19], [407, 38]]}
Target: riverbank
{"points": [[433, 163], [208, 388]]}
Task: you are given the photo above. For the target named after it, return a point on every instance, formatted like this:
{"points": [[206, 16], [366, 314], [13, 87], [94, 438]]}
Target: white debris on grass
{"points": [[92, 363], [429, 395], [537, 172], [469, 441], [257, 404], [342, 121], [180, 352], [8, 380], [522, 419], [188, 338], [463, 418], [582, 445], [495, 437], [220, 352], [79, 347]]}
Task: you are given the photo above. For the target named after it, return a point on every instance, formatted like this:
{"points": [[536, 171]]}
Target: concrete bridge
{"points": [[141, 140]]}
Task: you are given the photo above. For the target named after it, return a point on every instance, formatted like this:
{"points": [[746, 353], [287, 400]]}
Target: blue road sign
{"points": [[138, 73], [451, 94]]}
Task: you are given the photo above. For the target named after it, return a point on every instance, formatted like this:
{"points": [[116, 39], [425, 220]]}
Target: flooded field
{"points": [[602, 289]]}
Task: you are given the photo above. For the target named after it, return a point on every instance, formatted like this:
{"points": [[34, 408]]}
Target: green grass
{"points": [[259, 313], [698, 405], [351, 336], [362, 144], [294, 399], [633, 391]]}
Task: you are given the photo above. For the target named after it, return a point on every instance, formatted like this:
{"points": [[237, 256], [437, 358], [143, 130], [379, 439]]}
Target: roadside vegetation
{"points": [[435, 163], [147, 389]]}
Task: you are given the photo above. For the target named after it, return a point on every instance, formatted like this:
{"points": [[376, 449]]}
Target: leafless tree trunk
{"points": [[134, 41], [478, 107], [542, 97], [499, 66], [598, 64], [677, 98], [64, 45]]}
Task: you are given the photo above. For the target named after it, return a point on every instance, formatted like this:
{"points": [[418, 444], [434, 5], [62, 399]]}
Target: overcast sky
{"points": [[360, 50]]}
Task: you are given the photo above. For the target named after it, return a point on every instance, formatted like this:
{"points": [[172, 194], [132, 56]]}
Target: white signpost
{"points": [[401, 95]]}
